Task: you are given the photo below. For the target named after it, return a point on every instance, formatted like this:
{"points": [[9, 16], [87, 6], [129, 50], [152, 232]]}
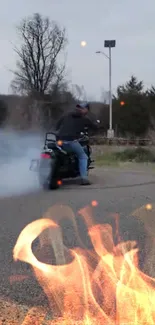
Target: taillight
{"points": [[45, 155]]}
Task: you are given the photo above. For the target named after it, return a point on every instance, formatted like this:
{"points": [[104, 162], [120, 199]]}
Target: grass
{"points": [[106, 159], [128, 156]]}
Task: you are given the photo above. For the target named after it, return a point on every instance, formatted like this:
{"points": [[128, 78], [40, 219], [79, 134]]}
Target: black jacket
{"points": [[71, 125]]}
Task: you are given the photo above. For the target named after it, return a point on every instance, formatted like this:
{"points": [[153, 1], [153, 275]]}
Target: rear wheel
{"points": [[49, 183], [47, 178], [53, 185]]}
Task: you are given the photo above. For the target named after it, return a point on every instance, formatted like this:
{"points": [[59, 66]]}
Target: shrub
{"points": [[137, 154], [3, 112]]}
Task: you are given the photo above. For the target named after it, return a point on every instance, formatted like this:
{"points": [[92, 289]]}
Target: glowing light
{"points": [[94, 203], [148, 206], [59, 182], [60, 143], [83, 43]]}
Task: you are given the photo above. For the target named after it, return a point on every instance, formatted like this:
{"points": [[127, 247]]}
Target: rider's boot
{"points": [[85, 181]]}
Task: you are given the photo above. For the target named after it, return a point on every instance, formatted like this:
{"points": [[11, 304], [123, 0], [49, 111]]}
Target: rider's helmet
{"points": [[83, 105]]}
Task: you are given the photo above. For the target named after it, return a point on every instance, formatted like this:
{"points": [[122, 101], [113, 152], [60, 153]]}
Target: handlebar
{"points": [[84, 136], [84, 133]]}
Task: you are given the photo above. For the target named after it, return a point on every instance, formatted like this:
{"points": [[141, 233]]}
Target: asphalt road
{"points": [[116, 191]]}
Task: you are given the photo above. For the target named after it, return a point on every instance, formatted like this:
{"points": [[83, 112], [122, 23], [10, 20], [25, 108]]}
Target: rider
{"points": [[69, 128]]}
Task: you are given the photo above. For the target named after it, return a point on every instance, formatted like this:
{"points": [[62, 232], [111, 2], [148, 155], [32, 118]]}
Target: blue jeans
{"points": [[76, 147]]}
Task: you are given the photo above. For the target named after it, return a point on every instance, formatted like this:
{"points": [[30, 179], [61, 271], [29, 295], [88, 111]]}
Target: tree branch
{"points": [[37, 67]]}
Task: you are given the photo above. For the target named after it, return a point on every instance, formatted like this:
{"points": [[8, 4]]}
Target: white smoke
{"points": [[17, 149]]}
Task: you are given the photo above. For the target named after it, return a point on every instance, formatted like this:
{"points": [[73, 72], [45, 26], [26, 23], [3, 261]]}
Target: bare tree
{"points": [[79, 93], [105, 96], [38, 70]]}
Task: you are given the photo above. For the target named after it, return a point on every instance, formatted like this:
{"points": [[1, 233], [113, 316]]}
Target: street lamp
{"points": [[110, 44]]}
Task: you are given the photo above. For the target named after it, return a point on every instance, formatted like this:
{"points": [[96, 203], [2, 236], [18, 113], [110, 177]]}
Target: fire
{"points": [[103, 285]]}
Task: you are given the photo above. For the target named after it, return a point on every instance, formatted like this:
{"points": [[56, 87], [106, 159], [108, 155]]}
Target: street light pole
{"points": [[109, 44], [110, 93]]}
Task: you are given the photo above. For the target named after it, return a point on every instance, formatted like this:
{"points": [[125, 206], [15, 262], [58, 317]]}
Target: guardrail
{"points": [[121, 141]]}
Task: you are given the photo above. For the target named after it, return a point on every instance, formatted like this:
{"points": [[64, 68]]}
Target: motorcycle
{"points": [[56, 163]]}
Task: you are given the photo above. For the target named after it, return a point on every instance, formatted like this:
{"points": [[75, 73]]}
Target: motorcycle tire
{"points": [[48, 182]]}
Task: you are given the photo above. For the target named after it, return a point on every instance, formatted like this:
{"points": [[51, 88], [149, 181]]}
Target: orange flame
{"points": [[104, 285]]}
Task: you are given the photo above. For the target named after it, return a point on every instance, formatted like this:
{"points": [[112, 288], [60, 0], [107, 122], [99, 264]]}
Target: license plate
{"points": [[34, 166]]}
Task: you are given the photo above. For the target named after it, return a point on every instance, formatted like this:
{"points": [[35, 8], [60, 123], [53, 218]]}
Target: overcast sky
{"points": [[130, 22]]}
